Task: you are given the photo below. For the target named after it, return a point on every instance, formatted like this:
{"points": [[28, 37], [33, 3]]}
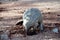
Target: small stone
{"points": [[55, 30], [4, 36]]}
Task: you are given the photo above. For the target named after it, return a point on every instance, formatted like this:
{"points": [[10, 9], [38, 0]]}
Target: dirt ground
{"points": [[12, 12]]}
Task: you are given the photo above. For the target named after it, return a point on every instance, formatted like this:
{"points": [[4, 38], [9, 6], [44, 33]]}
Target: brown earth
{"points": [[12, 12]]}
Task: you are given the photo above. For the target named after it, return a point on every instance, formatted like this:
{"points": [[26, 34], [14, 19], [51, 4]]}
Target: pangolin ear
{"points": [[20, 22]]}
